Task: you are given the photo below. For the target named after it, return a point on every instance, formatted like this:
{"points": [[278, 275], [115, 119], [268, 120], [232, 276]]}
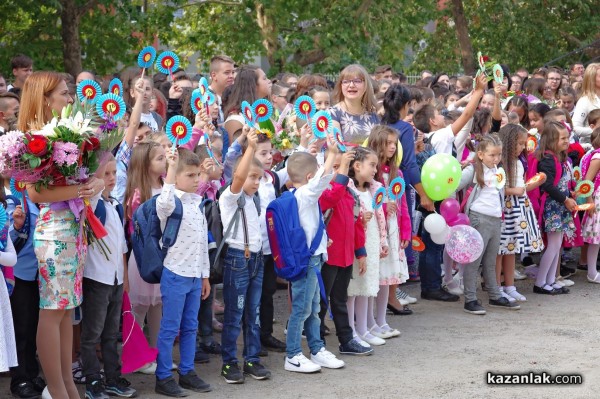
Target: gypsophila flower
{"points": [[65, 153]]}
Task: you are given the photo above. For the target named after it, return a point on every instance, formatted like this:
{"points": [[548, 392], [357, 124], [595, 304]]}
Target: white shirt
{"points": [[307, 197], [228, 205], [488, 200], [149, 120], [520, 178], [188, 257], [266, 192], [442, 140], [97, 267], [580, 114]]}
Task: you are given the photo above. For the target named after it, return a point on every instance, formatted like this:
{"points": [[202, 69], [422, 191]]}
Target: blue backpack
{"points": [[147, 235], [100, 211], [290, 250]]}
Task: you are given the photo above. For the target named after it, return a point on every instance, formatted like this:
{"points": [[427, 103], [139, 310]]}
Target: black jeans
{"points": [[205, 318], [25, 305], [336, 280], [101, 309], [269, 287]]}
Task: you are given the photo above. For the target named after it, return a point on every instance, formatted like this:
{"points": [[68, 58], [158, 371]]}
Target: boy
{"points": [[242, 268], [22, 67], [310, 181], [185, 275], [346, 230], [103, 290]]}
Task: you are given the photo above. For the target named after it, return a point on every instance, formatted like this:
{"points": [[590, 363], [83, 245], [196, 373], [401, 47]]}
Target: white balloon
{"points": [[442, 237], [435, 224]]}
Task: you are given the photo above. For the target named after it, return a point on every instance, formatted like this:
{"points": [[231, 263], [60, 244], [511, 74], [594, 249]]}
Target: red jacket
{"points": [[347, 234]]}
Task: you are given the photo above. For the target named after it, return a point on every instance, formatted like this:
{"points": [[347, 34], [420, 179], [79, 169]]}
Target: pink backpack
{"points": [[538, 200], [586, 161]]}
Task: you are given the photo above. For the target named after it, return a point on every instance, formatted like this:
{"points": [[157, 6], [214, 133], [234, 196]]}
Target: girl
{"points": [[589, 100], [520, 106], [536, 116], [557, 209], [321, 96], [144, 180], [8, 258], [520, 231], [393, 269], [365, 283], [150, 118], [355, 109], [553, 84], [590, 168], [484, 208]]}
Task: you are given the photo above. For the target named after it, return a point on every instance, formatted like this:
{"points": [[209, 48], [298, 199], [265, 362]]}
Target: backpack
{"points": [[586, 161], [290, 250], [216, 241], [537, 199], [427, 152], [147, 235], [100, 211]]}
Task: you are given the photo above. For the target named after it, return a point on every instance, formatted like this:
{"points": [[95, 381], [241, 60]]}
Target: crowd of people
{"points": [[65, 306]]}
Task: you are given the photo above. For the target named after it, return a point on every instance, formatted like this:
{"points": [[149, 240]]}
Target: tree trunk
{"points": [[70, 18], [464, 40], [268, 31]]}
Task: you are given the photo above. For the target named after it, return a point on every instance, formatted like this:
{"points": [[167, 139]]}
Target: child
{"points": [[242, 268], [393, 269], [103, 293], [8, 258], [484, 208], [590, 169], [185, 275], [309, 181], [148, 165], [536, 116], [347, 234], [594, 118], [321, 97], [520, 230], [557, 209], [365, 280]]}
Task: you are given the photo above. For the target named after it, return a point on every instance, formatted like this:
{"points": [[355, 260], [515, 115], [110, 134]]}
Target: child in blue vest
{"points": [[309, 181], [103, 293], [184, 280]]}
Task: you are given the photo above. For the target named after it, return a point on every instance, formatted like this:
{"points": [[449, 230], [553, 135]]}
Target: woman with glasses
{"points": [[552, 87], [355, 108]]}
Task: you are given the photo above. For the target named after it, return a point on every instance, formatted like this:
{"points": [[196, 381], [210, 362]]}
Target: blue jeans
{"points": [[180, 305], [306, 304], [430, 261], [242, 288]]}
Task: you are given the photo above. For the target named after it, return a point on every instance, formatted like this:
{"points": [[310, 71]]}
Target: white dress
{"points": [[368, 283], [393, 269], [8, 346]]}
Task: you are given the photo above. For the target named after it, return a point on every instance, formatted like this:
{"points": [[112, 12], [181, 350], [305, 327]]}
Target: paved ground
{"points": [[443, 353]]}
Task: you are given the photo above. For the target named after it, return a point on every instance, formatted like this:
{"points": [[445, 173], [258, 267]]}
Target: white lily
{"points": [[66, 111], [77, 124], [48, 129]]}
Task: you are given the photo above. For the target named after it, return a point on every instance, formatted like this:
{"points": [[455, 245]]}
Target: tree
{"points": [[515, 32]]}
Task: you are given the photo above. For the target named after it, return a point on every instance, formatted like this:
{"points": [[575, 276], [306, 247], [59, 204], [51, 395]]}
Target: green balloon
{"points": [[440, 176]]}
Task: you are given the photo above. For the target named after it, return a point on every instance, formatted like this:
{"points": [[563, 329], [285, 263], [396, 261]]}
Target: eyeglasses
{"points": [[554, 79], [357, 82]]}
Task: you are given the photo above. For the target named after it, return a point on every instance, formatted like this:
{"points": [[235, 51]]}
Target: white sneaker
{"points": [[326, 359], [459, 281], [566, 282], [560, 283], [148, 369], [505, 295], [372, 340], [300, 364], [46, 394], [515, 294], [519, 275], [380, 334], [392, 331], [453, 290], [404, 298]]}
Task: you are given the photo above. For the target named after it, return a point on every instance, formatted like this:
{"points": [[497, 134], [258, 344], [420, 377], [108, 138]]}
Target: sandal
{"points": [[595, 280]]}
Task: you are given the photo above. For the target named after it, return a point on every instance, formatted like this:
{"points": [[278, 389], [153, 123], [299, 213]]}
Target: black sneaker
{"points": [[439, 295], [25, 390], [201, 356], [214, 348], [192, 382], [273, 344], [352, 347], [169, 387], [504, 303], [120, 387], [256, 371], [566, 271], [95, 390], [232, 374], [474, 307]]}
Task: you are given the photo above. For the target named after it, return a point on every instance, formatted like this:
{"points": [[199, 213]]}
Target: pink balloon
{"points": [[449, 209], [464, 244], [461, 219]]}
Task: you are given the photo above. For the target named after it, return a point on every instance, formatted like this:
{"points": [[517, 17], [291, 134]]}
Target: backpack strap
{"points": [[234, 224], [276, 182], [169, 236], [100, 211]]}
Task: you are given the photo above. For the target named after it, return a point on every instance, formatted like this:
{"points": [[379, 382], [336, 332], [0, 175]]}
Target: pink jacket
{"points": [[379, 213]]}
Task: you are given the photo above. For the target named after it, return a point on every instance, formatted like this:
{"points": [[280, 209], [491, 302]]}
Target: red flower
{"points": [[37, 145], [91, 144], [486, 58]]}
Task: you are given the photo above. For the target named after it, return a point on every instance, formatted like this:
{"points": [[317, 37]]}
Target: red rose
{"points": [[37, 145], [486, 58], [91, 144]]}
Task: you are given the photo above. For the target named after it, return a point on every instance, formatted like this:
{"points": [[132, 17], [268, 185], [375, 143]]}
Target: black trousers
{"points": [[25, 305], [269, 288], [336, 280]]}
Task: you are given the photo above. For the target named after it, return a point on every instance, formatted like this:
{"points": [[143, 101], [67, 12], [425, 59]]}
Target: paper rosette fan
{"points": [[203, 86], [248, 113], [378, 198], [263, 110], [577, 173], [536, 178], [3, 220], [396, 188], [179, 130], [167, 62], [337, 135], [321, 122], [305, 107], [88, 90], [209, 98], [584, 188], [481, 62], [418, 244], [532, 144], [500, 178], [19, 191], [196, 101], [585, 207], [498, 74], [146, 57], [110, 106], [116, 87]]}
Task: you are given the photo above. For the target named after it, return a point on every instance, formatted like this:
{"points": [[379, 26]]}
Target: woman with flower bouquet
{"points": [[58, 173]]}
